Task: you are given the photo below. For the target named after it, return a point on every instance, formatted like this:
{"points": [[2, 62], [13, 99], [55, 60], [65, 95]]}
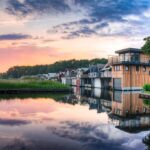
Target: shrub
{"points": [[146, 102], [147, 87]]}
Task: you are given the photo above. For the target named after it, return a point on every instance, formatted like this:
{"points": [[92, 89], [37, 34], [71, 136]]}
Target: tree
{"points": [[146, 46]]}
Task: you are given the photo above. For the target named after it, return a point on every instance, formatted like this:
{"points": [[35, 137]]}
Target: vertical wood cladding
{"points": [[128, 100], [134, 76]]}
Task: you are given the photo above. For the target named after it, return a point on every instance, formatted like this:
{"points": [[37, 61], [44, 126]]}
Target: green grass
{"points": [[31, 84]]}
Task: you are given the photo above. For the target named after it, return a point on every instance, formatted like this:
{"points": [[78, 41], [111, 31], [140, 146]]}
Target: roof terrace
{"points": [[129, 56]]}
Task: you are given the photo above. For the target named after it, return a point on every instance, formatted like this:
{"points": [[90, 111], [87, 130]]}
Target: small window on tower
{"points": [[127, 68], [117, 68]]}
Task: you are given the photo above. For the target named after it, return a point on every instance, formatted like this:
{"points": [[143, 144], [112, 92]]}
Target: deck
{"points": [[144, 96]]}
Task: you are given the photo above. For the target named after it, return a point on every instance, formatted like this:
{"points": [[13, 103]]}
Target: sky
{"points": [[45, 31]]}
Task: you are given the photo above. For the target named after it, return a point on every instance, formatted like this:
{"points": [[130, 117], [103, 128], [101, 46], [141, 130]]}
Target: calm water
{"points": [[85, 120]]}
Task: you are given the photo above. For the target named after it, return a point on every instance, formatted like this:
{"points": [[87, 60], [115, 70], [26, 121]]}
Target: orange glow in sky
{"points": [[69, 29]]}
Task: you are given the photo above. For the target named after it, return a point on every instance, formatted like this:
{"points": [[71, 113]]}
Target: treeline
{"points": [[19, 71]]}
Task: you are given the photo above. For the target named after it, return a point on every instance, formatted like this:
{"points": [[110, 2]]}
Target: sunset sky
{"points": [[44, 31]]}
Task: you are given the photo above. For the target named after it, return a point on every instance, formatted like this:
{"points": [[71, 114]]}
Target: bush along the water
{"points": [[147, 87]]}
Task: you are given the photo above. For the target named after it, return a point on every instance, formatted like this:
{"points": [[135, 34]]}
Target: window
{"points": [[121, 57], [127, 68], [117, 68], [127, 57], [144, 69], [117, 84], [117, 94], [135, 57], [137, 68], [144, 110], [117, 111]]}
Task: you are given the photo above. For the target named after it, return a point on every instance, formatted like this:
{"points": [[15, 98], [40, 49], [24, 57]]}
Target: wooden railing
{"points": [[117, 59]]}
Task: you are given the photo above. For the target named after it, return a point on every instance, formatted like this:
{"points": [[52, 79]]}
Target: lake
{"points": [[89, 119]]}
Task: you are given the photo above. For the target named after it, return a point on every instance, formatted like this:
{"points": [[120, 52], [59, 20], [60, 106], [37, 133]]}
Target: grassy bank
{"points": [[32, 84]]}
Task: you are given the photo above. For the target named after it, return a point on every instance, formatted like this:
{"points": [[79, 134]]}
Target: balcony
{"points": [[106, 74], [131, 59], [84, 76], [94, 75]]}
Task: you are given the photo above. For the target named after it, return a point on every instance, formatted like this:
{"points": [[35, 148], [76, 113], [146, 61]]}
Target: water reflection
{"points": [[89, 119], [129, 113], [125, 109], [146, 141]]}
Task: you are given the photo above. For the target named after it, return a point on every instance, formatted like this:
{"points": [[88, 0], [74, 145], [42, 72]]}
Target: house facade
{"points": [[130, 69], [80, 72], [91, 78]]}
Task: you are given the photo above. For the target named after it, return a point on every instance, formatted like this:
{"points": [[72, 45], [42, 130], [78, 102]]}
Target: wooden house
{"points": [[130, 69]]}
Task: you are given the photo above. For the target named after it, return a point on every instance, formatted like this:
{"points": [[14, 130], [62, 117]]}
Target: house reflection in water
{"points": [[125, 109], [129, 113], [97, 99]]}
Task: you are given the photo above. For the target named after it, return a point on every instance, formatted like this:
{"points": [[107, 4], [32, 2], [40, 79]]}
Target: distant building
{"points": [[80, 72], [49, 76], [91, 78], [69, 77], [94, 75]]}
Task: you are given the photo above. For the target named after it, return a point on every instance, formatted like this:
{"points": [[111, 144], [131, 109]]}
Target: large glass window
{"points": [[135, 57], [121, 57], [127, 57]]}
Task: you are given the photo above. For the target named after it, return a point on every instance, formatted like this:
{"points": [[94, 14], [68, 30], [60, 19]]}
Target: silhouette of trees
{"points": [[18, 71]]}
